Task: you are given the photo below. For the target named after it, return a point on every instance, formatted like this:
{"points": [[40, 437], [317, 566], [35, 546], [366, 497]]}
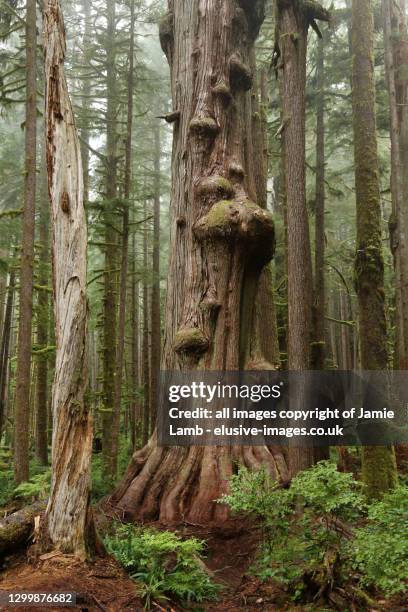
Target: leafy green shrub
{"points": [[380, 549], [301, 524], [163, 563]]}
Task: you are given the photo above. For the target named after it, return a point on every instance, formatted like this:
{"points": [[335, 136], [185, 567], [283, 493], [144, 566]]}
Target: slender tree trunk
{"points": [[265, 344], [396, 62], [22, 405], [68, 520], [378, 463], [155, 322], [41, 421], [293, 20], [319, 310], [5, 347], [120, 357], [220, 242], [86, 94], [135, 405], [110, 302], [145, 340]]}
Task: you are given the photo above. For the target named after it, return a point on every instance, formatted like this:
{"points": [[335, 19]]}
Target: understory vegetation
{"points": [[321, 533], [163, 564]]}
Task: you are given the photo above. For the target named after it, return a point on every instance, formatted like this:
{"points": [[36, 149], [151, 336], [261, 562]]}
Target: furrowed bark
{"points": [[220, 242], [68, 523], [293, 21]]}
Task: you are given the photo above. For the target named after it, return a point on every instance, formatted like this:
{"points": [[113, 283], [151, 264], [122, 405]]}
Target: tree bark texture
{"points": [[378, 463], [319, 306], [293, 20], [68, 520], [221, 240]]}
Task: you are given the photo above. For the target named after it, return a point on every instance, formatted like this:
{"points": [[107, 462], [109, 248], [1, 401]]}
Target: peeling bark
{"points": [[68, 522]]}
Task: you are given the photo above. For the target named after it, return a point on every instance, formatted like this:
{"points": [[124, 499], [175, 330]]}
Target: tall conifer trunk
{"points": [[120, 354], [110, 277], [23, 375], [378, 463], [293, 20]]}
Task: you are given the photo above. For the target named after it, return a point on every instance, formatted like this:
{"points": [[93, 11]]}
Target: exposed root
{"points": [[181, 485]]}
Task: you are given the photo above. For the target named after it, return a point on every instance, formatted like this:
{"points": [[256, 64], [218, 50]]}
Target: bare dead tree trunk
{"points": [[220, 242], [120, 355], [68, 520], [22, 404]]}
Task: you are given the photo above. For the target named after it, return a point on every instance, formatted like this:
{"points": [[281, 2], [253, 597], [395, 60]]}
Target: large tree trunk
{"points": [[22, 402], [220, 243], [68, 520], [293, 20], [378, 463]]}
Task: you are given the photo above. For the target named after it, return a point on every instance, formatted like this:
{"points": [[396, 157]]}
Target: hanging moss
{"points": [[190, 340]]}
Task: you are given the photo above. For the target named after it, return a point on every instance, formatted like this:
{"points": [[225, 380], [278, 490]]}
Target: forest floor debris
{"points": [[104, 586]]}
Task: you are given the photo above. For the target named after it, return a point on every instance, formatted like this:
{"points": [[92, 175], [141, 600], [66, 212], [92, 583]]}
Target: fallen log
{"points": [[17, 528]]}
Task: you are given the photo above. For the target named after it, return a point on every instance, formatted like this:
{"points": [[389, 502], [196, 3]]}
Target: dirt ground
{"points": [[103, 586]]}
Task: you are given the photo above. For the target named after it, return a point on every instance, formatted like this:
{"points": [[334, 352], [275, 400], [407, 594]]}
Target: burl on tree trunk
{"points": [[221, 241]]}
